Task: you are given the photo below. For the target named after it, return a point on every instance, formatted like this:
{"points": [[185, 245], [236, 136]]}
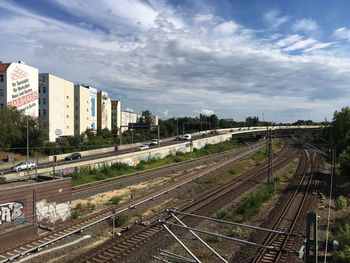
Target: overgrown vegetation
{"points": [[82, 209], [341, 202], [87, 175]]}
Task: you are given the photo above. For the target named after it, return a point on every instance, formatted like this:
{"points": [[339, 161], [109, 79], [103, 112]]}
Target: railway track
{"points": [[116, 250], [86, 190], [78, 226], [288, 220]]}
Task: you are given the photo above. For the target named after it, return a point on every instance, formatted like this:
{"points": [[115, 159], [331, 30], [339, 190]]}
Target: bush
{"points": [[115, 200], [341, 202], [75, 214], [238, 232], [344, 238]]}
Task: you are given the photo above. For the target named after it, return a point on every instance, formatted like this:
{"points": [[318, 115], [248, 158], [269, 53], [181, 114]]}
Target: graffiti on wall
{"points": [[12, 213], [52, 212]]}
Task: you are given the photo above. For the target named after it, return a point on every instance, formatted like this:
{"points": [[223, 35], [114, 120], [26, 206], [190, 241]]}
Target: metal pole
{"points": [[113, 227], [121, 136], [132, 134], [235, 224], [182, 244], [27, 145], [183, 129], [224, 237], [201, 240], [177, 129], [158, 142]]}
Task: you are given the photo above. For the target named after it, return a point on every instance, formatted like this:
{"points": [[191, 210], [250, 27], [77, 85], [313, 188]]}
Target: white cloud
{"points": [[206, 112], [226, 28], [301, 44], [202, 18], [180, 69], [289, 40], [274, 19], [342, 33], [305, 25]]}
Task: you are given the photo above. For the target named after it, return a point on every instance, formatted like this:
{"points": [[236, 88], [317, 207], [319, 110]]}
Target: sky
{"points": [[278, 60]]}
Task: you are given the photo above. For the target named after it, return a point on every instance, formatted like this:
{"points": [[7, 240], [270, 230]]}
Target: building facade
{"points": [[82, 108], [104, 114], [116, 115], [19, 87], [129, 117], [56, 105], [93, 107]]}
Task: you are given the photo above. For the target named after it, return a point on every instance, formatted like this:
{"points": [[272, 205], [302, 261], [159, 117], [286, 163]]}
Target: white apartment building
{"points": [[19, 87], [116, 115], [104, 115], [56, 105], [129, 117], [82, 108]]}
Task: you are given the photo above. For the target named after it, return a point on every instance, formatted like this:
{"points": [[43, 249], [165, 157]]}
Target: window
{"points": [[39, 101], [39, 89], [67, 116], [1, 92], [67, 127], [1, 105], [67, 97], [44, 89], [68, 106], [44, 112], [44, 101], [39, 110], [2, 78]]}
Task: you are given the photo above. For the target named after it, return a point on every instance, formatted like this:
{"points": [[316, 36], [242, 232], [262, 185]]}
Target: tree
{"points": [[10, 126], [146, 117], [341, 128], [214, 121], [252, 121]]}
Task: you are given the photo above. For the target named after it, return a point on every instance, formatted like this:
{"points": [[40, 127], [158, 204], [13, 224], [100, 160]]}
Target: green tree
{"points": [[10, 126], [146, 117], [341, 128], [214, 121]]}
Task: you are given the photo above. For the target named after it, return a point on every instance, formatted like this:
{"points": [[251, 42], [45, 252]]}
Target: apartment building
{"points": [[19, 87], [104, 114], [129, 117], [56, 105], [116, 115]]}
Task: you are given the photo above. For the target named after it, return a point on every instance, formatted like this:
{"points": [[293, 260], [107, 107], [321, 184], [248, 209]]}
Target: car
{"points": [[187, 137], [73, 156], [178, 138], [153, 142], [143, 147], [24, 166]]}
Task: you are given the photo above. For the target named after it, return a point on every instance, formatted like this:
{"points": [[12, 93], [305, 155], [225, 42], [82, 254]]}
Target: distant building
{"points": [[104, 111], [129, 117], [56, 105], [93, 107], [19, 87], [116, 115], [82, 109]]}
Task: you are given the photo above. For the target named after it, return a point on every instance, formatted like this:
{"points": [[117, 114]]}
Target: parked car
{"points": [[187, 137], [178, 138], [73, 156], [143, 147], [153, 142], [24, 166]]}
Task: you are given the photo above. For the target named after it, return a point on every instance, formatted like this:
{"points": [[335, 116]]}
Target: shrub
{"points": [[238, 232], [341, 202], [115, 200], [74, 214], [344, 238]]}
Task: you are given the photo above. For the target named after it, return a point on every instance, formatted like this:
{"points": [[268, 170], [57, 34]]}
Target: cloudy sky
{"points": [[287, 59]]}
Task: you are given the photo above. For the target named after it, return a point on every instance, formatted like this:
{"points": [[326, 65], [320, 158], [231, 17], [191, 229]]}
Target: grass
{"points": [[104, 171], [250, 205], [81, 209]]}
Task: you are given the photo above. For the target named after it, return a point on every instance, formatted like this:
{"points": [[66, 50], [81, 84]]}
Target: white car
{"points": [[24, 166], [154, 142], [187, 137], [143, 147]]}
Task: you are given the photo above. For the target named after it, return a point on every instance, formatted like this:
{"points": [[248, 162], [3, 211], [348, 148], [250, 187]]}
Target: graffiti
{"points": [[52, 212], [12, 213]]}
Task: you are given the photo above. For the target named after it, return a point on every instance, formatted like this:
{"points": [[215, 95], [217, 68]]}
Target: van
{"points": [[187, 137]]}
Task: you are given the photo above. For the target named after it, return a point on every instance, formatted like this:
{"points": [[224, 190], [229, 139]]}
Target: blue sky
{"points": [[287, 59]]}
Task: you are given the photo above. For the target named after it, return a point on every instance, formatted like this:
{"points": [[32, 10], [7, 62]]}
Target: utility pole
{"points": [[27, 146], [177, 129], [183, 129], [158, 135], [113, 225], [269, 172]]}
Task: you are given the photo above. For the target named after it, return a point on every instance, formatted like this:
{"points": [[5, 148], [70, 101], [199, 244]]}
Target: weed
{"points": [[341, 202], [115, 200]]}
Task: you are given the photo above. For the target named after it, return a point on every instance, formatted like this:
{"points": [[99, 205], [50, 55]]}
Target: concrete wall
{"points": [[82, 108]]}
